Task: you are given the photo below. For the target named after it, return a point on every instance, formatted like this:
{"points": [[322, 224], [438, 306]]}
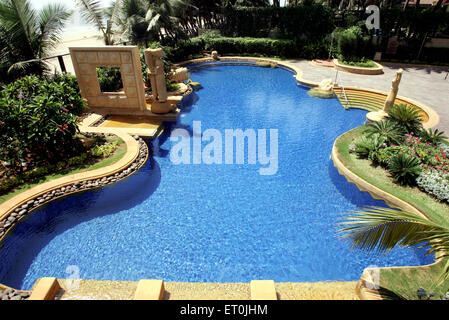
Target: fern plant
{"points": [[365, 147], [404, 168], [388, 129], [433, 136], [406, 116]]}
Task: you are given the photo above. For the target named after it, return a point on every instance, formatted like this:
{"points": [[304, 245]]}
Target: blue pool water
{"points": [[213, 223]]}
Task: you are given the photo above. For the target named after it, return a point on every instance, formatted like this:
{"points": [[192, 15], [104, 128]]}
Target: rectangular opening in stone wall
{"points": [[110, 79]]}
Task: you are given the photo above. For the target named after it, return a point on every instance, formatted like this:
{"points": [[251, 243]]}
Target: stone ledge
{"points": [[149, 290], [131, 154], [45, 289], [263, 290], [378, 69]]}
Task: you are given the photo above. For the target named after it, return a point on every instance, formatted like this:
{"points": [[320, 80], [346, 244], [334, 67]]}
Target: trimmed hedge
{"points": [[257, 46]]}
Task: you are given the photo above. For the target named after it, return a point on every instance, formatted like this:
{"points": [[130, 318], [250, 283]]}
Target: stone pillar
{"points": [[389, 102], [393, 91], [157, 79]]}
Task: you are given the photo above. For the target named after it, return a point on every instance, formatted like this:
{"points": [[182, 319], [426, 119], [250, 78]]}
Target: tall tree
{"points": [[28, 35], [93, 12]]}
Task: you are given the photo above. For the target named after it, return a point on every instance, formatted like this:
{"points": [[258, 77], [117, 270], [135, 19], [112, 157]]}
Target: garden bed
{"points": [[401, 281], [377, 69], [94, 158]]}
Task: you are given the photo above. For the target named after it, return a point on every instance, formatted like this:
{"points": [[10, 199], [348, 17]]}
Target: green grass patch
{"points": [[362, 64], [104, 162], [402, 282]]}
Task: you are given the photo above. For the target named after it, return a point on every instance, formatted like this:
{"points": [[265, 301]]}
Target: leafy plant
{"points": [[383, 155], [28, 35], [435, 183], [432, 135], [352, 44], [104, 150], [37, 124], [382, 229], [366, 147], [110, 79], [388, 129], [404, 168], [406, 116], [172, 86]]}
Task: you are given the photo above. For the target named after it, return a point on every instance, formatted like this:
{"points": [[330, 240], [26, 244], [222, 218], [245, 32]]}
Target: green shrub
{"points": [[63, 88], [388, 129], [110, 79], [404, 168], [382, 156], [172, 86], [104, 150], [364, 63], [407, 117], [352, 45], [36, 123], [365, 147], [432, 135]]}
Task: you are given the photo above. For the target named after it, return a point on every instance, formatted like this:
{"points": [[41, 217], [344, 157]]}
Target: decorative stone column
{"points": [[393, 91], [157, 79], [389, 102]]}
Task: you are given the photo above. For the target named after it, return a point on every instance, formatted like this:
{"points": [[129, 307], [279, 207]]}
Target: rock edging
{"points": [[22, 210]]}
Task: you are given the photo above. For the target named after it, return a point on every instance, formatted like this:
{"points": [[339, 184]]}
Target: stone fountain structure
{"points": [[131, 100]]}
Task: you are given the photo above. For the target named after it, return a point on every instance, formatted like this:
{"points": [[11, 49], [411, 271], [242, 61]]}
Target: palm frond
{"points": [[23, 65], [382, 229], [92, 12], [52, 19]]}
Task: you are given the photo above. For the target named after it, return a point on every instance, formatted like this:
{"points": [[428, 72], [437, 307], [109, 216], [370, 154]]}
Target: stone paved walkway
{"points": [[425, 85]]}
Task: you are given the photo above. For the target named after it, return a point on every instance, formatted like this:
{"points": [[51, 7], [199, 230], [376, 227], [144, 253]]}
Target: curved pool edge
{"points": [[433, 120], [133, 150], [366, 289]]}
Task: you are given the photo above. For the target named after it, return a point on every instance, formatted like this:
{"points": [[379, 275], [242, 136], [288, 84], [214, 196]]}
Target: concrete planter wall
{"points": [[378, 69]]}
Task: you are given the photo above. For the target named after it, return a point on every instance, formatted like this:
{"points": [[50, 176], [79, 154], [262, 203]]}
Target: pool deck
{"points": [[424, 84], [126, 290]]}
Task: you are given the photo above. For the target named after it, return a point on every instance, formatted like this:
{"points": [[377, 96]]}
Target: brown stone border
{"points": [[23, 204], [378, 69]]}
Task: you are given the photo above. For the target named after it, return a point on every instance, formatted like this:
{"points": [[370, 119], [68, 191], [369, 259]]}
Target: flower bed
{"points": [[412, 155]]}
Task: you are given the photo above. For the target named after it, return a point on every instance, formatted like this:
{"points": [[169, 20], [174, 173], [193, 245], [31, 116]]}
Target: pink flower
{"points": [[20, 95]]}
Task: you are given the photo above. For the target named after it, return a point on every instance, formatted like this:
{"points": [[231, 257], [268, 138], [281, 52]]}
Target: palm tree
{"points": [[94, 13], [131, 19], [28, 35], [162, 17], [382, 229]]}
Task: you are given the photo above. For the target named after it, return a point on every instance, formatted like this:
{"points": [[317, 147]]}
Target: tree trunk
{"points": [[406, 4], [438, 5]]}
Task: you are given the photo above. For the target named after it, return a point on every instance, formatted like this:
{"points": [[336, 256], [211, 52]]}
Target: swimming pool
{"points": [[213, 222]]}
